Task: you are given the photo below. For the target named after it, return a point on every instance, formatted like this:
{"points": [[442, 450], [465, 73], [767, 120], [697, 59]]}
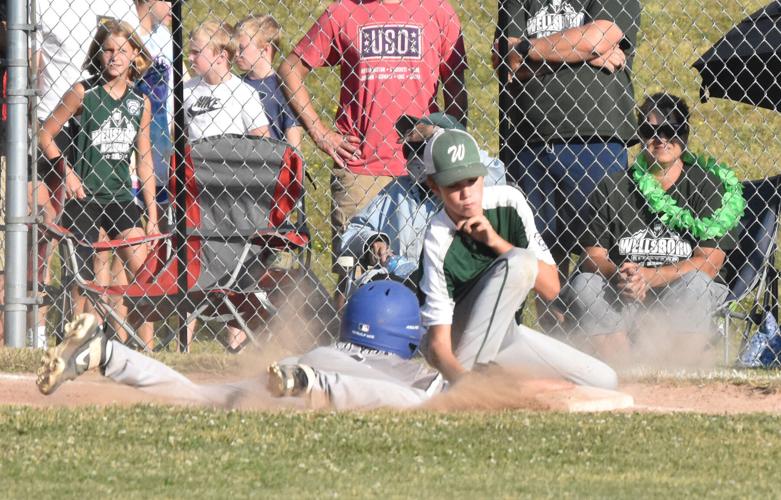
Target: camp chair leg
{"points": [[240, 320]]}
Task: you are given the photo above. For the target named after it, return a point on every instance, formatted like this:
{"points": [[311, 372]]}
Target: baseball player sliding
{"points": [[372, 365]]}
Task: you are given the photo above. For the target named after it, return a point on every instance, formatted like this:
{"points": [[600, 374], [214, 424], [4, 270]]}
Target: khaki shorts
{"points": [[350, 193]]}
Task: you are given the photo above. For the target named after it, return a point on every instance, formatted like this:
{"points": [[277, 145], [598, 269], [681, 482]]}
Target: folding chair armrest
{"points": [[57, 232], [114, 244], [61, 233]]}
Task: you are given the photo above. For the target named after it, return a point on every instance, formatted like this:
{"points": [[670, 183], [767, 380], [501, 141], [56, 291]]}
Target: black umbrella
{"points": [[745, 65]]}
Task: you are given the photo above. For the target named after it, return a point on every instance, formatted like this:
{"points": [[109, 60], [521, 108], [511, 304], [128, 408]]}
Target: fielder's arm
{"points": [[547, 284], [440, 353]]}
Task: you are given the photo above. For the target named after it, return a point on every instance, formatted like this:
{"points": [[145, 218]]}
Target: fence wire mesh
{"points": [[305, 169]]}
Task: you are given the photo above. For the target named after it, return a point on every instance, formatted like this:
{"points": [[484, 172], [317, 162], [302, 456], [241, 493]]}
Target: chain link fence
{"points": [[303, 171]]}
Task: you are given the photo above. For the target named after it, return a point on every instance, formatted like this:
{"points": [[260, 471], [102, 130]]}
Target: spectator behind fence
{"points": [[63, 32], [114, 124], [216, 101], [157, 85], [258, 38], [573, 105], [392, 56], [657, 241], [395, 221]]}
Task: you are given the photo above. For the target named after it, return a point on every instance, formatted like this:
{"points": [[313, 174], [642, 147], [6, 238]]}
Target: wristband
{"points": [[523, 47], [53, 165]]}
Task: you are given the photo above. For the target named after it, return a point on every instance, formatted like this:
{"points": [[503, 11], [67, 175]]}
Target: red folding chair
{"points": [[246, 240]]}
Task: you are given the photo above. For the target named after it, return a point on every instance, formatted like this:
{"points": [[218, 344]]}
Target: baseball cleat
{"points": [[290, 380], [82, 349]]}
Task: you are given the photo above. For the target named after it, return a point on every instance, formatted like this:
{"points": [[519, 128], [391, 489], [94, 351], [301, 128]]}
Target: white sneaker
{"points": [[290, 380]]}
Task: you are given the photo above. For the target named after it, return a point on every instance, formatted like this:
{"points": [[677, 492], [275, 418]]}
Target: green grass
{"points": [[171, 452], [205, 357]]}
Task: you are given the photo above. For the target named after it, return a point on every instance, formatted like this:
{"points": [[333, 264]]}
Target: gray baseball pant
{"points": [[352, 378], [687, 304], [484, 329]]}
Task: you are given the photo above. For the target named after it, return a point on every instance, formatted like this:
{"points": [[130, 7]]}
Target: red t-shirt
{"points": [[391, 57]]}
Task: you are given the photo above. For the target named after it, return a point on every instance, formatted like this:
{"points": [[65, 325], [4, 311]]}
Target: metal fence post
{"points": [[16, 185], [180, 143]]}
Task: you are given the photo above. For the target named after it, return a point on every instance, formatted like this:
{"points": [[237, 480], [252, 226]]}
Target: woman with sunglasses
{"points": [[654, 251]]}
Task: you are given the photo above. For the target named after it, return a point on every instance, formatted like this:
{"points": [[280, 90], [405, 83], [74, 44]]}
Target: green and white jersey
{"points": [[107, 141], [452, 261]]}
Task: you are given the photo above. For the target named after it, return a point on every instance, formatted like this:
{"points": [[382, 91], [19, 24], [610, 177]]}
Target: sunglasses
{"points": [[666, 130]]}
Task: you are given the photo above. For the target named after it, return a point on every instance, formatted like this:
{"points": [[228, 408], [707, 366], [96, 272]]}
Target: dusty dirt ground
{"points": [[92, 389]]}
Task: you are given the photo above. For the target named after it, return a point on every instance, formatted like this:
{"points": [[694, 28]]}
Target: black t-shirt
{"points": [[625, 225], [576, 101]]}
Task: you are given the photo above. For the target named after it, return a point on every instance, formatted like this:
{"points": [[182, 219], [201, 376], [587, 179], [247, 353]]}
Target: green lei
{"points": [[703, 228]]}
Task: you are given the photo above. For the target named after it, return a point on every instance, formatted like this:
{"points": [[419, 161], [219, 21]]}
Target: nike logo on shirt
{"points": [[204, 104]]}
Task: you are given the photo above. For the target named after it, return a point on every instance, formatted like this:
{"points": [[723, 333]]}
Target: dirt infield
{"points": [[680, 396]]}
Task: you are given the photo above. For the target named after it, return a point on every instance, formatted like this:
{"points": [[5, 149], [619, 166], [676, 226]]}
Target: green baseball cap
{"points": [[452, 156], [442, 120]]}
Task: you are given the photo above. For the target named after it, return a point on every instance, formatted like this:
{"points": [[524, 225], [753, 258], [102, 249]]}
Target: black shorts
{"points": [[85, 219]]}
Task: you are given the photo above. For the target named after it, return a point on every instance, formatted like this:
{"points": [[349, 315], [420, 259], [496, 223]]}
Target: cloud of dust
{"points": [[497, 388], [305, 319], [659, 343]]}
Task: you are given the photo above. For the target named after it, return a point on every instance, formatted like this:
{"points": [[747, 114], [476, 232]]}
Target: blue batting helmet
{"points": [[383, 315]]}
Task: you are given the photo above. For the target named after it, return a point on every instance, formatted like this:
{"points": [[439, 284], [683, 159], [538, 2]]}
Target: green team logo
{"points": [[457, 152], [115, 137], [133, 107]]}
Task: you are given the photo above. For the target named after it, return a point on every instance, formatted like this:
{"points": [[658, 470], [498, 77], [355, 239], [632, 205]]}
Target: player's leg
{"points": [[484, 315], [328, 376], [547, 357], [341, 392], [83, 348], [86, 347]]}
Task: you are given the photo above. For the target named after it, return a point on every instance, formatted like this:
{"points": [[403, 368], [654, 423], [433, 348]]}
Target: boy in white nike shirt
{"points": [[217, 102]]}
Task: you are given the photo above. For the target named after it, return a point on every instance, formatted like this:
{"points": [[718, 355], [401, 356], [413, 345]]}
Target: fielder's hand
{"points": [[480, 229]]}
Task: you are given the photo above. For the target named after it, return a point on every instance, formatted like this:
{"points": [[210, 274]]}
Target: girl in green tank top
{"points": [[115, 121]]}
